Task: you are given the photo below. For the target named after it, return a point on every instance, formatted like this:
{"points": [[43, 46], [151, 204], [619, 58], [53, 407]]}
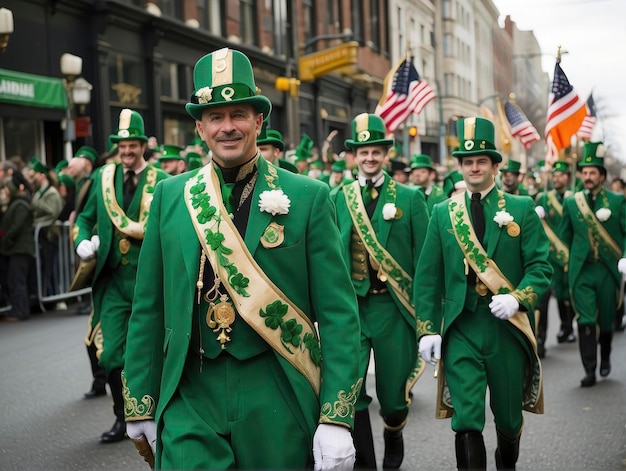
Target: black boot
{"points": [[394, 443], [470, 451], [566, 332], [118, 432], [99, 376], [363, 441], [507, 452], [588, 353], [605, 353], [541, 318]]}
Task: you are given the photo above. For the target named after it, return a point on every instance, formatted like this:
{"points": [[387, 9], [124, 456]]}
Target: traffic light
{"points": [[412, 132], [286, 84]]}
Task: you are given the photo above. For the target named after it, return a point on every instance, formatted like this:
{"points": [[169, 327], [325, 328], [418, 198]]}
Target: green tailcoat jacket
{"points": [[307, 267]]}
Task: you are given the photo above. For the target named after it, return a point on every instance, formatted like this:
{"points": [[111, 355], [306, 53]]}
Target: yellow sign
{"points": [[321, 63]]}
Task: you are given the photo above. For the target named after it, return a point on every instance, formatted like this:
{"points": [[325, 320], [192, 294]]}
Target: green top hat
{"points": [[593, 155], [37, 165], [170, 152], [194, 160], [512, 166], [338, 166], [88, 153], [271, 137], [60, 166], [67, 181], [450, 181], [303, 151], [368, 130], [130, 127], [225, 77], [422, 161], [560, 166], [476, 137]]}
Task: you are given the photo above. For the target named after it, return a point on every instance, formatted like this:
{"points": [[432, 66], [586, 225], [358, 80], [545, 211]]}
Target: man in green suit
{"points": [[110, 228], [512, 177], [594, 227], [272, 148], [382, 225], [550, 210], [224, 367], [423, 175], [481, 271]]}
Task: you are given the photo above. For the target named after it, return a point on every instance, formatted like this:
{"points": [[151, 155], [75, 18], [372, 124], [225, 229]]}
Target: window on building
{"points": [[357, 21], [446, 9], [400, 32], [126, 75], [447, 45], [177, 131], [210, 14], [248, 23], [174, 81], [21, 137], [375, 25], [173, 8], [447, 84]]}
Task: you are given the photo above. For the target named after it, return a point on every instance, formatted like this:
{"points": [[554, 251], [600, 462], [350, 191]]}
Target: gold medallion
{"points": [[273, 236], [398, 213], [513, 229], [124, 246], [219, 317], [481, 288]]}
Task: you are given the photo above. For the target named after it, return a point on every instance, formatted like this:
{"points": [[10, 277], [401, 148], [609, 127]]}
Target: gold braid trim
{"points": [[525, 296], [343, 407], [132, 409]]}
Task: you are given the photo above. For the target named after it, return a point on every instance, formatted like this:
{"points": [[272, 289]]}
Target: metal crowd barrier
{"points": [[64, 267]]}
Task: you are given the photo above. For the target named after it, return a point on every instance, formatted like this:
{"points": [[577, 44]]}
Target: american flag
{"points": [[520, 125], [590, 120], [565, 114], [407, 94]]}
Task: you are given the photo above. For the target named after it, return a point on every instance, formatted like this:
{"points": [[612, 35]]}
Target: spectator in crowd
{"points": [[67, 190], [171, 160]]}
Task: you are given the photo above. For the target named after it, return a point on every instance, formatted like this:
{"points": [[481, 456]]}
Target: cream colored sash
{"points": [[117, 215], [554, 201], [399, 280], [261, 291], [562, 251], [597, 230]]}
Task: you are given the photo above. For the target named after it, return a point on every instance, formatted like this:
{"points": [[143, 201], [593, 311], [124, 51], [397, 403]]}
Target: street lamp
{"points": [[71, 68], [81, 93], [6, 27]]}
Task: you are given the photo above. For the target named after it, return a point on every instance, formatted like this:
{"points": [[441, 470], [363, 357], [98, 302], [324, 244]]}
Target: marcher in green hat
{"points": [[89, 153], [37, 165], [337, 177], [368, 130], [130, 127], [171, 160], [423, 177], [61, 166], [303, 154], [271, 145], [593, 228], [223, 77], [453, 183], [476, 137], [194, 160], [511, 178]]}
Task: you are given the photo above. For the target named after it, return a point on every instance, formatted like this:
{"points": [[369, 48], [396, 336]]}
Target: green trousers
{"points": [[385, 332], [482, 351], [112, 303], [234, 414], [594, 296], [560, 284]]}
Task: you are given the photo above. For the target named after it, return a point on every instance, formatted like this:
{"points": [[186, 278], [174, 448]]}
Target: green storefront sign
{"points": [[32, 90]]}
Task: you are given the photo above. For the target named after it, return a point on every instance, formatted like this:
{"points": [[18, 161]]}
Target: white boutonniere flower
{"points": [[389, 211], [204, 95], [274, 202], [603, 214], [503, 218]]}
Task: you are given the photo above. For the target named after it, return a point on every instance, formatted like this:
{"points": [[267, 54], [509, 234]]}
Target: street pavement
{"points": [[45, 424]]}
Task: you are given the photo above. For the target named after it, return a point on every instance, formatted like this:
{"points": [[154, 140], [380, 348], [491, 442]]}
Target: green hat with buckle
{"points": [[476, 137], [422, 161], [512, 166], [170, 152], [37, 165], [87, 152], [560, 166], [593, 155], [368, 130], [130, 127], [270, 137], [225, 77]]}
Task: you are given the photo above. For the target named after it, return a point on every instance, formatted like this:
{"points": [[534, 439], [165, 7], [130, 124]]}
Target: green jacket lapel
{"points": [[257, 220], [381, 226]]}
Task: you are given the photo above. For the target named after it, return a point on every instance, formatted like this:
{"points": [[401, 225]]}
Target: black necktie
{"points": [[592, 201], [129, 188], [478, 218]]}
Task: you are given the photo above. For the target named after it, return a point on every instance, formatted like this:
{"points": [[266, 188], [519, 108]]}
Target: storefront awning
{"points": [[32, 90]]}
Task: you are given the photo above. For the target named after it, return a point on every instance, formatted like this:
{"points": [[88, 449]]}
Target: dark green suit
{"points": [[387, 326], [163, 367], [480, 350]]}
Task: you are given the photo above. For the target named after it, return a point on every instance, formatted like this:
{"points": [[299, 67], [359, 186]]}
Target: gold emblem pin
{"points": [[124, 246], [273, 236], [219, 317], [513, 229]]}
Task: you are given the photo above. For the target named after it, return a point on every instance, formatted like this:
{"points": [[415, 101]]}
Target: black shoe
{"points": [[605, 368], [588, 381], [565, 335], [116, 434], [95, 392], [394, 449], [541, 349]]}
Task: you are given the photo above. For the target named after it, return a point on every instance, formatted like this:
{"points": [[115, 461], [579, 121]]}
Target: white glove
{"points": [[86, 249], [540, 212], [504, 306], [95, 240], [140, 428], [429, 347], [333, 448], [621, 266]]}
